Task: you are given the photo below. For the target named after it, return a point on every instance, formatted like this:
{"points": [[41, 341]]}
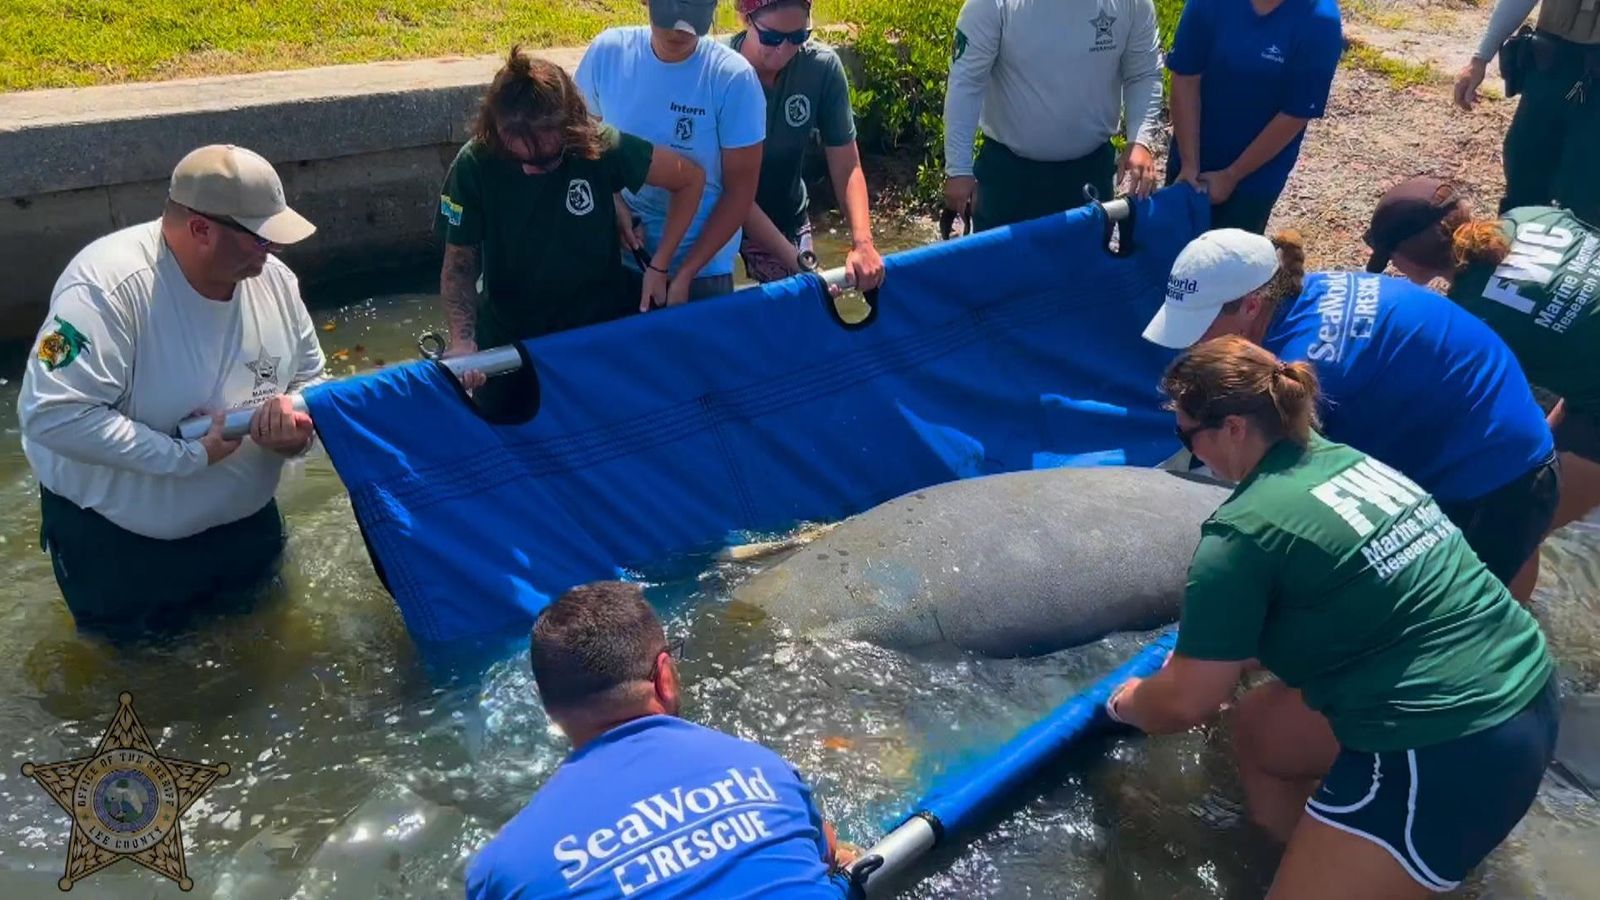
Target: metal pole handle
{"points": [[894, 854], [492, 362], [496, 361]]}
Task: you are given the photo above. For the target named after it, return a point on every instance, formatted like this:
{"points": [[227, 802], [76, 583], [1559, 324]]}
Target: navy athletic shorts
{"points": [[1439, 810]]}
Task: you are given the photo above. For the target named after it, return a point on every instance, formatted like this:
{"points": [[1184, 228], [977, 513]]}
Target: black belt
{"points": [[1531, 50]]}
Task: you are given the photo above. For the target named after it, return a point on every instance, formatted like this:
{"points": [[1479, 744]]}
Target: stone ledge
{"points": [[73, 138], [362, 150]]}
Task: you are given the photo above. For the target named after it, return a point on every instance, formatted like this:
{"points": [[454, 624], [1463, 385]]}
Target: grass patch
{"points": [[1400, 73], [1390, 20], [69, 43], [1368, 11]]}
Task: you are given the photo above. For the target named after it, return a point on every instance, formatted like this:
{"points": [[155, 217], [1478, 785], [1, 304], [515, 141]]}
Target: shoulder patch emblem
{"points": [[961, 45], [450, 209], [61, 346]]}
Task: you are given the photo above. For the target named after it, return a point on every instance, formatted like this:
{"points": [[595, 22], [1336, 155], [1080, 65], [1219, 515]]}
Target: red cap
{"points": [[746, 7]]}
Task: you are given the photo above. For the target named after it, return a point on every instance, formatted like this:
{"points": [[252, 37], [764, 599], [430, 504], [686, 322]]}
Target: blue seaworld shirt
{"points": [[1415, 381], [659, 808]]}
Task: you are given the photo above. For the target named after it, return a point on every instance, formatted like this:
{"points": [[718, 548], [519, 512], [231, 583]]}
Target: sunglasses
{"points": [[231, 225], [777, 38], [674, 650], [1186, 435]]}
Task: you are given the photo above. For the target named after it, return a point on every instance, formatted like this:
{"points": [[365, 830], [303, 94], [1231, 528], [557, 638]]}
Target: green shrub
{"points": [[1167, 14], [903, 48]]}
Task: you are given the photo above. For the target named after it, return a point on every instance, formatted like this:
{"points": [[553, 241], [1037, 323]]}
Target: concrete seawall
{"points": [[362, 151]]}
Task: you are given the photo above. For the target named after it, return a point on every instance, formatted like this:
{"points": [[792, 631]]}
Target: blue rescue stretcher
{"points": [[667, 433]]}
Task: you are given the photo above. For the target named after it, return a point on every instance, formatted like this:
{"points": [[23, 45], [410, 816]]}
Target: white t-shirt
{"points": [[708, 103], [128, 351]]}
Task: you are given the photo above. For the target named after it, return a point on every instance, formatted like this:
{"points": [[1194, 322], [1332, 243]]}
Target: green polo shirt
{"points": [[552, 259], [811, 94], [1544, 300], [1344, 578]]}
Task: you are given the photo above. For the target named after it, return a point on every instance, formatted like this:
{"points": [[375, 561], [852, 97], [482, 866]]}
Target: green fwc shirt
{"points": [[551, 254], [1344, 578], [1544, 300], [811, 93]]}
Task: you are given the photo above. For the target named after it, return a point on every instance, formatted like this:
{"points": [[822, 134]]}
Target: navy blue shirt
{"points": [[1415, 381], [1252, 68], [659, 807]]}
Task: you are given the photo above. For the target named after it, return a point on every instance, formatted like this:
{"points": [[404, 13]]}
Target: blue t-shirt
{"points": [[708, 103], [659, 807], [1415, 381], [1252, 68]]}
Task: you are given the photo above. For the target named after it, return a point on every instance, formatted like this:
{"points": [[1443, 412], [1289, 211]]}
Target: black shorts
{"points": [[1505, 526], [1439, 810]]}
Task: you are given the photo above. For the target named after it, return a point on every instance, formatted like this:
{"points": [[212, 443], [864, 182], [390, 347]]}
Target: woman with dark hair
{"points": [[1408, 377], [1418, 705], [1532, 275], [807, 93], [527, 207]]}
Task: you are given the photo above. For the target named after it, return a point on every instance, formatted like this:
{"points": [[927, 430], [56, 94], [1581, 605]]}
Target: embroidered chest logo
{"points": [[580, 197], [797, 110], [1103, 38], [62, 345], [684, 130], [1273, 54], [264, 368]]}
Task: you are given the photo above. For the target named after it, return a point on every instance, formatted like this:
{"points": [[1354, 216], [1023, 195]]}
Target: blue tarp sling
{"points": [[673, 431]]}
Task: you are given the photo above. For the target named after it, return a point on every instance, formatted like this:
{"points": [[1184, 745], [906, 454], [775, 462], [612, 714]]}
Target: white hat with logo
{"points": [[1217, 268], [233, 183]]}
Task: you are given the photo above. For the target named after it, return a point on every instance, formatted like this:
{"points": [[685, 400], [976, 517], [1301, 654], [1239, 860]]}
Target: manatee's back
{"points": [[1006, 565]]}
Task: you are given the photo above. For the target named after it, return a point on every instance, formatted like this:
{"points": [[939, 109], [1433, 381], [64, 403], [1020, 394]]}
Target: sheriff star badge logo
{"points": [[125, 801]]}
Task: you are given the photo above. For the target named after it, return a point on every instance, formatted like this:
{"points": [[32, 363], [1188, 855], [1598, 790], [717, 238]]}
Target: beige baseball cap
{"points": [[234, 183]]}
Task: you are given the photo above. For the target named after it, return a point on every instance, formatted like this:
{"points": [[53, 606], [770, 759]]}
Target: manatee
{"points": [[1020, 564], [394, 844]]}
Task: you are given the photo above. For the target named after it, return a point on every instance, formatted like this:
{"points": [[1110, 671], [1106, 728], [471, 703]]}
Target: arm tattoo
{"points": [[458, 288]]}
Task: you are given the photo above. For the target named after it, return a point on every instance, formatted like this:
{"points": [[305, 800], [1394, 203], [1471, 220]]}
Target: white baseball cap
{"points": [[1217, 268], [234, 183]]}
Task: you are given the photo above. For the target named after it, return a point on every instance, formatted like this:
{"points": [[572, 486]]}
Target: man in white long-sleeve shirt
{"points": [[191, 313], [1050, 82]]}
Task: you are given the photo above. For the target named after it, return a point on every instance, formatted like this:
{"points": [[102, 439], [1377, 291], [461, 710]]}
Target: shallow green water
{"points": [[359, 770]]}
